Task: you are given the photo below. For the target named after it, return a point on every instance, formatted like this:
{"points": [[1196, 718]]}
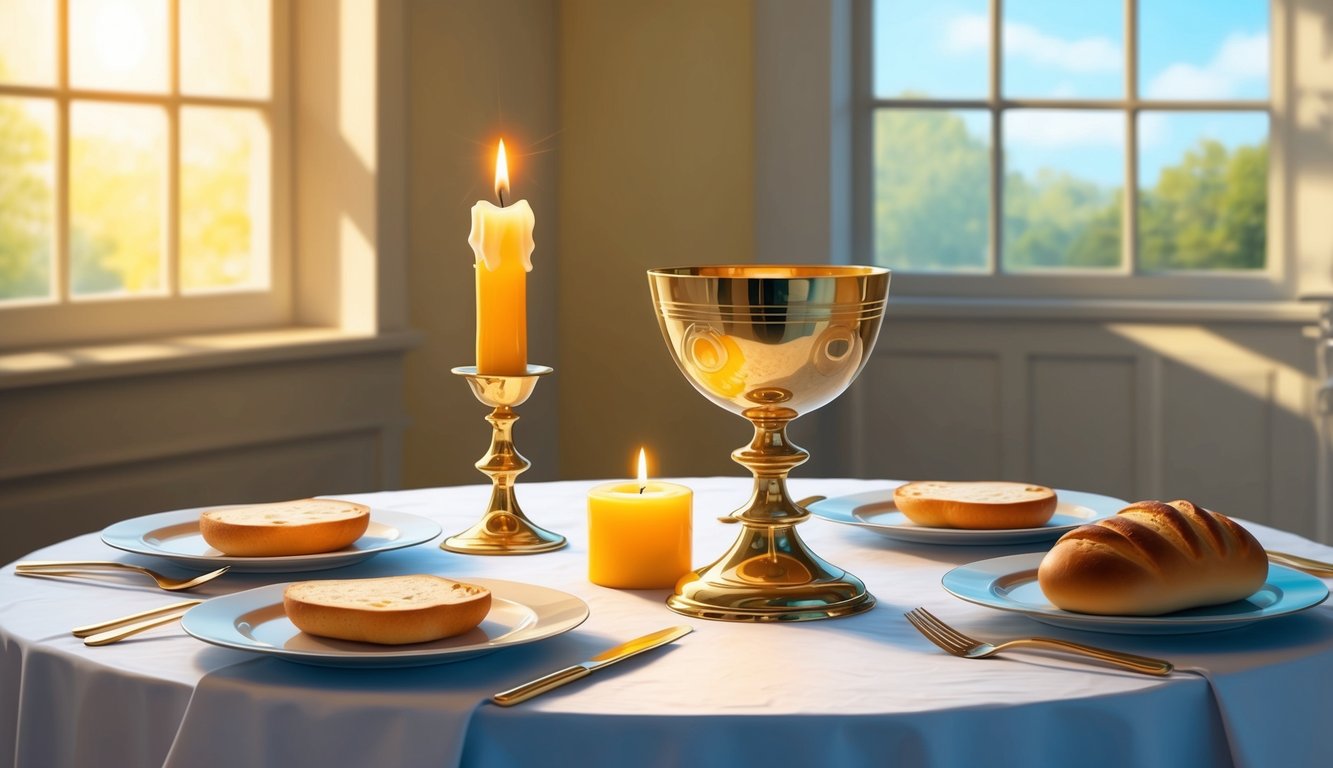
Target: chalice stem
{"points": [[770, 456]]}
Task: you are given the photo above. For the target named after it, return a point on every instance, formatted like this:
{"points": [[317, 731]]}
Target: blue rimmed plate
{"points": [[175, 537], [1010, 584], [875, 511], [254, 621]]}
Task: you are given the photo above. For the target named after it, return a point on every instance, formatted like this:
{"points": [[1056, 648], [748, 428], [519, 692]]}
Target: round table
{"points": [[863, 690]]}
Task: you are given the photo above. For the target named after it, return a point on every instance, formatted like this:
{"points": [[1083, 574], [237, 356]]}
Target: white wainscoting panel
{"points": [[1220, 413], [1082, 426], [77, 456], [922, 407]]}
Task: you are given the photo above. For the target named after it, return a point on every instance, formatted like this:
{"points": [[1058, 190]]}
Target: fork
{"points": [[74, 567], [958, 644]]}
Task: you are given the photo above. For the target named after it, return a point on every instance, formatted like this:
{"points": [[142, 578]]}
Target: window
{"points": [[1040, 147], [141, 157]]}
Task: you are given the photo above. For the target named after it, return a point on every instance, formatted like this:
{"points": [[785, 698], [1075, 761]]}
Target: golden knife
{"points": [[103, 626], [116, 635], [1315, 567], [603, 659]]}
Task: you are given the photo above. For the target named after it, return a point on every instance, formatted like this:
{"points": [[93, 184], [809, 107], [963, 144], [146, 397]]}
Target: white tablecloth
{"points": [[865, 690]]}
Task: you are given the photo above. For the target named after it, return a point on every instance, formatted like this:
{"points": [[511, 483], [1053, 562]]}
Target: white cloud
{"points": [[1154, 129], [1244, 55], [1241, 59], [970, 33], [967, 34], [1064, 129]]}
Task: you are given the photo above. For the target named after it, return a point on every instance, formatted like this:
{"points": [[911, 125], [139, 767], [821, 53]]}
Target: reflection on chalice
{"points": [[770, 343]]}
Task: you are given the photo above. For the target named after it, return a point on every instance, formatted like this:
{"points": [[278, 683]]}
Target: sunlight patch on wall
{"points": [[1205, 351], [359, 312], [356, 73]]}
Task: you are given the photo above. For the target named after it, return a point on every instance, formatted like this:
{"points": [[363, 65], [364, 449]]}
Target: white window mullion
{"points": [[60, 267], [994, 254], [171, 228], [1129, 236]]}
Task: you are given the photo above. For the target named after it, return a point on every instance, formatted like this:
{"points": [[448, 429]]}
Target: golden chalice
{"points": [[770, 343]]}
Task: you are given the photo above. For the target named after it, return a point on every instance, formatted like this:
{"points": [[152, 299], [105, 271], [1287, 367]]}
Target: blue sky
{"points": [[1188, 49]]}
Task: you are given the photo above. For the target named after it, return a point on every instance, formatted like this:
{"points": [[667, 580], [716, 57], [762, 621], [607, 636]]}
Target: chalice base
{"points": [[504, 533], [763, 579]]}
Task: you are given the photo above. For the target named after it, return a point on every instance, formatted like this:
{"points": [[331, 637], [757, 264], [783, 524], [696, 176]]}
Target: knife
{"points": [[605, 658]]}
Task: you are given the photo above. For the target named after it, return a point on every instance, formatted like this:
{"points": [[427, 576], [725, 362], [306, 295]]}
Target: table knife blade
{"points": [[604, 659]]}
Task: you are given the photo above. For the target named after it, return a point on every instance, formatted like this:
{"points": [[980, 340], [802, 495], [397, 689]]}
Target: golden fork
{"points": [[1314, 567], [107, 632], [74, 567], [959, 644]]}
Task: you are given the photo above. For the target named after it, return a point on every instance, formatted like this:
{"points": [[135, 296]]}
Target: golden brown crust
{"points": [[1153, 558], [284, 529], [393, 610], [981, 505]]}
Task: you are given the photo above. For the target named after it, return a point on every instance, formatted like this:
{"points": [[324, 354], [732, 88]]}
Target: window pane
{"points": [[1064, 49], [224, 199], [932, 182], [1203, 49], [1064, 176], [27, 173], [929, 48], [28, 42], [1203, 190], [225, 48], [117, 175], [118, 45]]}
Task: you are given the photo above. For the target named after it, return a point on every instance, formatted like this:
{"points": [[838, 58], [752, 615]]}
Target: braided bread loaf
{"points": [[1153, 558]]}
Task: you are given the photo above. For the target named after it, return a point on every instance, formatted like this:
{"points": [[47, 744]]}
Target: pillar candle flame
{"points": [[501, 173], [643, 470]]}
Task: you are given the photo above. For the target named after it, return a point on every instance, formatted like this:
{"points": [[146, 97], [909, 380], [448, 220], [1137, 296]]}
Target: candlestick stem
{"points": [[503, 529]]}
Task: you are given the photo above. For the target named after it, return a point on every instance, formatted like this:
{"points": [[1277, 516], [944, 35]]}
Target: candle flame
{"points": [[501, 173], [643, 470]]}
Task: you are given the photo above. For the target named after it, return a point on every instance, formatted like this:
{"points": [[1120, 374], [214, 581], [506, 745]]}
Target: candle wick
{"points": [[641, 489], [501, 196]]}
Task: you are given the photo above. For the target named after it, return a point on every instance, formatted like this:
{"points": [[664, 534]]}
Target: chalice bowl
{"points": [[770, 343]]}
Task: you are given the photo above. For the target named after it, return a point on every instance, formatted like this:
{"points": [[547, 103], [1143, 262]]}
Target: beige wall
{"points": [[655, 169], [478, 69], [637, 119]]}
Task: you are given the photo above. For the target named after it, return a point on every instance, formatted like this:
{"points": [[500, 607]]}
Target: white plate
{"points": [[874, 510], [1010, 584], [175, 536], [254, 620]]}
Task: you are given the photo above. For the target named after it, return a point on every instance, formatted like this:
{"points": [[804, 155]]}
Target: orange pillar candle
{"points": [[639, 533], [501, 239]]}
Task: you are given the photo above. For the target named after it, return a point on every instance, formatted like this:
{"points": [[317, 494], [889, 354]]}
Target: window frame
{"points": [[58, 319], [1277, 281]]}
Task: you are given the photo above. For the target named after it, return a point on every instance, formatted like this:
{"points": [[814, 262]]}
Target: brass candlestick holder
{"points": [[504, 529], [770, 343]]}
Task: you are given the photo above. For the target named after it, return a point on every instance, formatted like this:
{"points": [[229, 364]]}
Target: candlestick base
{"points": [[503, 529]]}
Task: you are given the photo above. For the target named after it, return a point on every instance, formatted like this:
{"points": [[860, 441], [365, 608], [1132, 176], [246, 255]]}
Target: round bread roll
{"points": [[393, 610], [989, 504], [284, 528], [1153, 558]]}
